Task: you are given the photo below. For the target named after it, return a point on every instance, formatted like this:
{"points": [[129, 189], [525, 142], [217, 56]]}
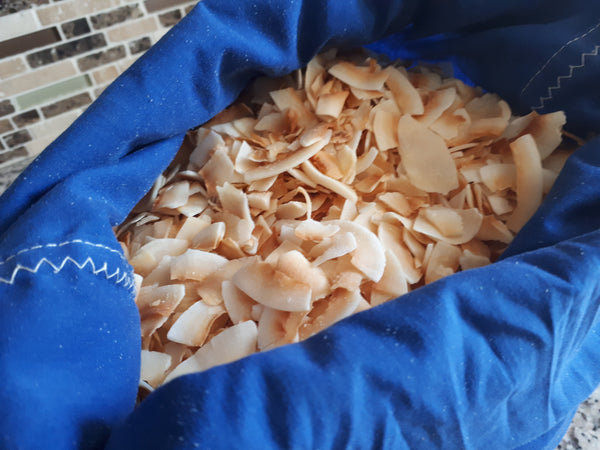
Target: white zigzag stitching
{"points": [[565, 77], [62, 244], [117, 274], [575, 39]]}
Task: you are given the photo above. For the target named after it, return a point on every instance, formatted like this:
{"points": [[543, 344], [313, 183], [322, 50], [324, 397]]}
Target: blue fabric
{"points": [[497, 357]]}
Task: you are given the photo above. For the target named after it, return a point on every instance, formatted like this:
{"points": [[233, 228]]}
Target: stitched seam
{"points": [[566, 77], [595, 27], [118, 275], [62, 244]]}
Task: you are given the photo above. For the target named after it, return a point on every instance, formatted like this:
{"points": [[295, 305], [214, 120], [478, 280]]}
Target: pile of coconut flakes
{"points": [[328, 192]]}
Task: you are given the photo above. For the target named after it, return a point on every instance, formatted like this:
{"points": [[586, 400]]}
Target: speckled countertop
{"points": [[584, 433]]}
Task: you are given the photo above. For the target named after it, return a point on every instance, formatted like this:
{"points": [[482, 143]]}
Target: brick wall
{"points": [[56, 57]]}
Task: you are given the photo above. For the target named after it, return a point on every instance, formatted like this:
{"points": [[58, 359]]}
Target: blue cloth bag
{"points": [[496, 358]]}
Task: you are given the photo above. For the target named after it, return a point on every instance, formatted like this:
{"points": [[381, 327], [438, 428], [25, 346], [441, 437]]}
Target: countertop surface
{"points": [[583, 434]]}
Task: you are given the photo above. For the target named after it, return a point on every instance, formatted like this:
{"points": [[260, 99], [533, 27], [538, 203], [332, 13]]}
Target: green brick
{"points": [[54, 91]]}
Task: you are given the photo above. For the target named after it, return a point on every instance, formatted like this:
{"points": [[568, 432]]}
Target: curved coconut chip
{"points": [[154, 366], [148, 256], [195, 265], [156, 303], [529, 181], [406, 95], [271, 287], [277, 328], [443, 261], [369, 256], [469, 260], [425, 157], [340, 304], [236, 302], [330, 106], [230, 345], [193, 326], [449, 225], [288, 163], [437, 104], [359, 77]]}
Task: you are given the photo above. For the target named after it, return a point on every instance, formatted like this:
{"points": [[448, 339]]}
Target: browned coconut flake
{"points": [[323, 194]]}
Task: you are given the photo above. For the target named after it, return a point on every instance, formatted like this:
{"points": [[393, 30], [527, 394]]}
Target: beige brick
{"points": [[124, 64], [38, 78], [105, 75], [132, 29], [35, 147], [157, 35], [11, 67], [18, 24], [49, 129], [72, 9]]}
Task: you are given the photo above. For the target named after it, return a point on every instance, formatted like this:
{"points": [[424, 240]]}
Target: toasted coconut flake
{"points": [[194, 206], [529, 187], [549, 177], [219, 170], [193, 326], [328, 182], [497, 177], [340, 304], [365, 160], [154, 366], [444, 261], [406, 96], [341, 244], [314, 71], [488, 114], [209, 237], [452, 126], [313, 135], [273, 288], [358, 77], [156, 303], [396, 202], [449, 225], [288, 99], [438, 103], [238, 304], [191, 227], [391, 239], [546, 131], [331, 105], [230, 345], [425, 157], [296, 266], [315, 231], [327, 164], [393, 283], [234, 201], [147, 258], [276, 328], [493, 229], [369, 256], [469, 260], [161, 275], [296, 158], [207, 141], [291, 210], [500, 205], [385, 123], [174, 195], [195, 265]]}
